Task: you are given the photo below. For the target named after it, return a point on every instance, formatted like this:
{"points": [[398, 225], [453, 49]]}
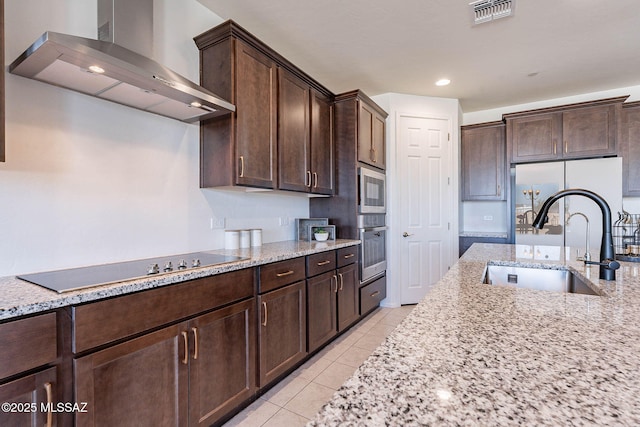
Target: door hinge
{"points": [[448, 136], [448, 180], [448, 226]]}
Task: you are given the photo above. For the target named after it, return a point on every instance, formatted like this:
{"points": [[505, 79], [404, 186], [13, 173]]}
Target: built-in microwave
{"points": [[371, 191]]}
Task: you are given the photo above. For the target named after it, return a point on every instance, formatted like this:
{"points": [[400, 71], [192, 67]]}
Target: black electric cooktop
{"points": [[84, 277]]}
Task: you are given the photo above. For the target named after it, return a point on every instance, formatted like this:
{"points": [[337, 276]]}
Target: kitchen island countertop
{"points": [[18, 297], [476, 354]]}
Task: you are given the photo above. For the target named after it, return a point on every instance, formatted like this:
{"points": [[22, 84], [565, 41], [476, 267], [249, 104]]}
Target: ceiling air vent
{"points": [[487, 10]]}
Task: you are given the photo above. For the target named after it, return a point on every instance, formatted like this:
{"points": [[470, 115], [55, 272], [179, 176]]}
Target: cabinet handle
{"points": [[49, 391], [374, 294], [554, 148], [324, 262], [349, 256], [195, 342], [307, 180], [315, 180], [341, 281], [336, 279], [185, 337], [264, 304], [241, 166], [286, 273], [566, 147], [499, 189], [374, 157]]}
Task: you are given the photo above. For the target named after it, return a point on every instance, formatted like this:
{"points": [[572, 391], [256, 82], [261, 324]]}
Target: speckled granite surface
{"points": [[497, 234], [18, 297], [472, 354]]}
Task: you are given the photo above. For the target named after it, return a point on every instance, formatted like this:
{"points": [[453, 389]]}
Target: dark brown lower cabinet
{"points": [[191, 373], [223, 369], [348, 302], [332, 304], [31, 400], [371, 294], [321, 309], [282, 332]]}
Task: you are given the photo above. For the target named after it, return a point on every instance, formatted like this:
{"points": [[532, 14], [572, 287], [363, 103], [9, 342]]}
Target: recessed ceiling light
{"points": [[196, 104], [96, 69], [443, 82]]}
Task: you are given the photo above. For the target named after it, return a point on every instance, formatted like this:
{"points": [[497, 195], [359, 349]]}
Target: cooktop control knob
{"points": [[168, 266], [195, 263], [153, 269], [182, 264]]}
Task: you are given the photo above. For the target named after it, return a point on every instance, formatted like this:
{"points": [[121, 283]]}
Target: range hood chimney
{"points": [[126, 75]]}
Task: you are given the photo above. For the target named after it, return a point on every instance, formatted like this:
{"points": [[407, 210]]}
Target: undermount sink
{"points": [[544, 279]]}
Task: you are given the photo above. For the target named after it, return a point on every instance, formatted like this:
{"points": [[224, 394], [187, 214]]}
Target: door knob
{"points": [[405, 234]]}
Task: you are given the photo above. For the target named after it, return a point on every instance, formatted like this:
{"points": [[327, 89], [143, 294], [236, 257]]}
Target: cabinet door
{"points": [[365, 133], [322, 148], [321, 309], [377, 141], [255, 98], [282, 332], [535, 138], [630, 145], [589, 132], [348, 302], [223, 362], [143, 381], [483, 163], [30, 392], [293, 133]]}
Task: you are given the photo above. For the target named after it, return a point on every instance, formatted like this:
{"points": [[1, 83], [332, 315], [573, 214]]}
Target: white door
{"points": [[426, 204]]}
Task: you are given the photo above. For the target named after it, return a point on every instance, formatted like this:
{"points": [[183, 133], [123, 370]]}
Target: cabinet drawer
{"points": [[117, 318], [372, 294], [278, 274], [347, 256], [321, 263], [27, 344]]}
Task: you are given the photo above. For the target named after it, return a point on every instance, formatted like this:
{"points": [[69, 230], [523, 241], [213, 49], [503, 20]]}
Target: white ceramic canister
{"points": [[256, 237], [245, 238], [232, 239]]}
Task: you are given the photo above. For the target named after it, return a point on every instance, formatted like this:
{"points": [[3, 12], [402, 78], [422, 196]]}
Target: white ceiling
{"points": [[404, 46]]}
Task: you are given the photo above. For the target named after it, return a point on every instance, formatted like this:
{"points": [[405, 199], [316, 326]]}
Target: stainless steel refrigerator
{"points": [[570, 217]]}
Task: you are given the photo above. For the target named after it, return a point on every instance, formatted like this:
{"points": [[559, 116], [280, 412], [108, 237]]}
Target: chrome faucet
{"points": [[608, 264], [587, 254]]}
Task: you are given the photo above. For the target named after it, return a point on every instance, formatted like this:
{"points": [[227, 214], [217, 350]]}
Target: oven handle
{"points": [[368, 229]]}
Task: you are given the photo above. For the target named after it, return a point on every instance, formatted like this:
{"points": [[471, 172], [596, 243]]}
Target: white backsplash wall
{"points": [[484, 217], [88, 181]]}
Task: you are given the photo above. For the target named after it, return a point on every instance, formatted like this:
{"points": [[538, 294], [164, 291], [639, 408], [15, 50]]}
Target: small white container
{"points": [[256, 237], [321, 237], [245, 238], [232, 239]]}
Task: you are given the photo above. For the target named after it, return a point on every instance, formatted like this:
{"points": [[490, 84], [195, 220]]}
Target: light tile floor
{"points": [[298, 397]]}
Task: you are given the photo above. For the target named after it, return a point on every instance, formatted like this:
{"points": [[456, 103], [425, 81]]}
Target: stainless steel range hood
{"points": [[109, 71]]}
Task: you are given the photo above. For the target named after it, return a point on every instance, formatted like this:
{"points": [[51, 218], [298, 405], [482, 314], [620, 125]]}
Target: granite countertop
{"points": [[18, 297], [496, 234], [476, 354]]}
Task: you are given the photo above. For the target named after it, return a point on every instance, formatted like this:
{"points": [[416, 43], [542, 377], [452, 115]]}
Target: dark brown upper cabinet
{"points": [[575, 131], [240, 148], [630, 148], [2, 155], [371, 133], [483, 155], [279, 126], [305, 137]]}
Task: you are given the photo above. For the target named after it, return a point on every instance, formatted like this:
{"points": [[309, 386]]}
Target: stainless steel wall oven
{"points": [[373, 251]]}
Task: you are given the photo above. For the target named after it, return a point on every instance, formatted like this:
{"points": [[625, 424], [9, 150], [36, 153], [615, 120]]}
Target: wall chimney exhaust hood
{"points": [[109, 71]]}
